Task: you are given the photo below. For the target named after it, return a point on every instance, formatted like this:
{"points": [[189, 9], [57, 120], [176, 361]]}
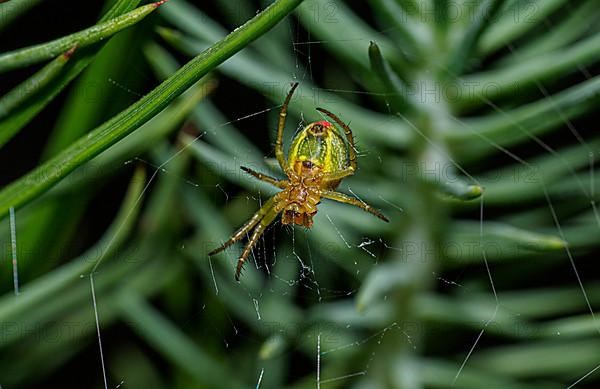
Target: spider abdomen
{"points": [[321, 144]]}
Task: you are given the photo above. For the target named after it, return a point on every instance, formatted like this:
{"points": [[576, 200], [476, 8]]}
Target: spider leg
{"points": [[281, 125], [344, 198], [243, 230], [349, 137], [263, 177], [268, 218]]}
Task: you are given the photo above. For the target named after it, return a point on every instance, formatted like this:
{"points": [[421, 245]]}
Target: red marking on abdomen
{"points": [[324, 123]]}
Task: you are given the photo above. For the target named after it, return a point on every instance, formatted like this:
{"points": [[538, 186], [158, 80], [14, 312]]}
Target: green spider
{"points": [[318, 160]]}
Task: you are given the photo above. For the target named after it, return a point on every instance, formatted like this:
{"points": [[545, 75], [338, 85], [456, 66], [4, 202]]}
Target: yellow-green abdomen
{"points": [[321, 144]]}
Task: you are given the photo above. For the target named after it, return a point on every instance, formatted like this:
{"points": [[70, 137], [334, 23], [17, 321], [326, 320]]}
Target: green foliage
{"points": [[38, 53], [475, 123]]}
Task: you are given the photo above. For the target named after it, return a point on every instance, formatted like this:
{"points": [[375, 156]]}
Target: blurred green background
{"points": [[477, 136]]}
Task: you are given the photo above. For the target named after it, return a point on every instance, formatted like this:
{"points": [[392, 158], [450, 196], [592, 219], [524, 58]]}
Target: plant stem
{"points": [[38, 53]]}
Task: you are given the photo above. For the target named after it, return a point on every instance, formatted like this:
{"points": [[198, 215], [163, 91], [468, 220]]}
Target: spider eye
{"points": [[317, 129], [307, 164]]}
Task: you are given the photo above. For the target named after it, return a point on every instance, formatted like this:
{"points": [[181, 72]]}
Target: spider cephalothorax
{"points": [[319, 159]]}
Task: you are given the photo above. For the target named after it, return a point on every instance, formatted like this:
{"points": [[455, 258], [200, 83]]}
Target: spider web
{"points": [[305, 251], [266, 255]]}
